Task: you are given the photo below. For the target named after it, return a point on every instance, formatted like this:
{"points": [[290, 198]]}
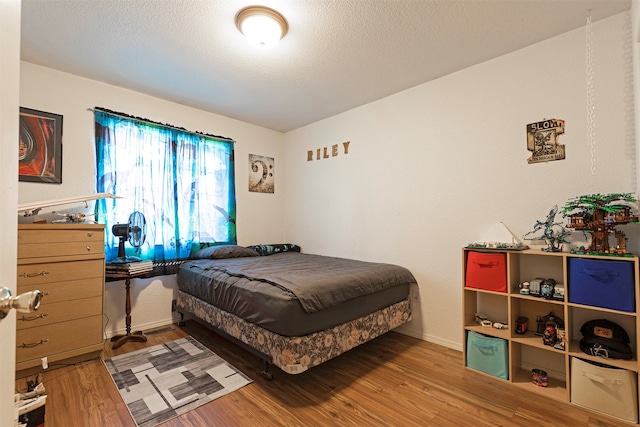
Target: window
{"points": [[182, 182]]}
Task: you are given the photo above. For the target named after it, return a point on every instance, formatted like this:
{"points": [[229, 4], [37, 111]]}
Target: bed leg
{"points": [[266, 374], [181, 322]]}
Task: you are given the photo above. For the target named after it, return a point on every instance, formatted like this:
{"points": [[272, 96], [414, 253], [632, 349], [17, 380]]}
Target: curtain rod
{"points": [[128, 116]]}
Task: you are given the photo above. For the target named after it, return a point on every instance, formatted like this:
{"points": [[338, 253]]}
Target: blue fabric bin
{"points": [[488, 354], [602, 283]]}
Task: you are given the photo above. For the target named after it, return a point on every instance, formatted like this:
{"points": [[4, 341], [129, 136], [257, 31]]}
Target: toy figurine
{"points": [[553, 232], [546, 288], [561, 342], [543, 322], [550, 334], [558, 292]]}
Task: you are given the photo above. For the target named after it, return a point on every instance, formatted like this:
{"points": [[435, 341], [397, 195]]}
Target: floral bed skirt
{"points": [[297, 354]]}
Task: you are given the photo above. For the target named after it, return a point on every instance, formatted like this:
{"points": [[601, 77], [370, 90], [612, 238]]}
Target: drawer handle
{"points": [[88, 248], [89, 234], [42, 273], [33, 344], [39, 316]]}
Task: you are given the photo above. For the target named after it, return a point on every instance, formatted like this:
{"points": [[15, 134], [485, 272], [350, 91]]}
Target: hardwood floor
{"points": [[394, 380]]}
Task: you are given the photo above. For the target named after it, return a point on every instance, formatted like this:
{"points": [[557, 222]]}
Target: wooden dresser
{"points": [[66, 263]]}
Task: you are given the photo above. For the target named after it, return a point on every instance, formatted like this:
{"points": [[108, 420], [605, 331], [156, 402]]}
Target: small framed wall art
{"points": [[40, 146], [261, 175]]}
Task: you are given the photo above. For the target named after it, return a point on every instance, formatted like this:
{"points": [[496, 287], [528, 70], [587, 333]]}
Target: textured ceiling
{"points": [[337, 55]]}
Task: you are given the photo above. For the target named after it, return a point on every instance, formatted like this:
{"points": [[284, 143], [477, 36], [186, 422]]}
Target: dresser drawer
{"points": [[56, 312], [48, 340], [50, 272], [66, 291], [35, 234], [39, 250], [44, 240]]}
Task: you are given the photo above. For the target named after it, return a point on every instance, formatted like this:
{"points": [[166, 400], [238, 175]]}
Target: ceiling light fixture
{"points": [[261, 25]]}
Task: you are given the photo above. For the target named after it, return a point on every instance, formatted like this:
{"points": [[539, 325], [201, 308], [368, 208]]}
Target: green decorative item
{"points": [[599, 215], [553, 233]]}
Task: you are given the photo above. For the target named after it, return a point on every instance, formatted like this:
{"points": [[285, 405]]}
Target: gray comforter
{"points": [[317, 282]]}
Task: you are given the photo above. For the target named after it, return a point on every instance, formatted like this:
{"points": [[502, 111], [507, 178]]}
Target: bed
{"points": [[294, 310]]}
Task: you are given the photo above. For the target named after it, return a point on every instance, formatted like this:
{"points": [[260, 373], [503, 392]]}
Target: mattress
{"points": [[295, 294]]}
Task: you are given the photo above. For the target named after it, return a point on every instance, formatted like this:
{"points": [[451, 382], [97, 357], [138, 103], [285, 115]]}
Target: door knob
{"points": [[25, 303]]}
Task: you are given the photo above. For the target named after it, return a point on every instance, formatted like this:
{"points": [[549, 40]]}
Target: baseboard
{"points": [[175, 317], [430, 338]]}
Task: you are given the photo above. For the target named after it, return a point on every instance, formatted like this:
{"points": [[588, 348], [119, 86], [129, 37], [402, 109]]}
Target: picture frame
{"points": [[40, 147], [261, 175]]}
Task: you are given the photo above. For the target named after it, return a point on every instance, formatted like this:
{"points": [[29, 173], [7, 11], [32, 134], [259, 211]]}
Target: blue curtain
{"points": [[182, 182]]}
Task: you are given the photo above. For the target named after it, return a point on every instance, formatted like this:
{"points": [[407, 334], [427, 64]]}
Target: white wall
{"points": [[430, 169], [259, 216]]}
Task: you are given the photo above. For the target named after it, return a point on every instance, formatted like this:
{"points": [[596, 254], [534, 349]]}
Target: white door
{"points": [[9, 116]]}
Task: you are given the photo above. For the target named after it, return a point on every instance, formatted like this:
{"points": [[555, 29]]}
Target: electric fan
{"points": [[135, 231]]}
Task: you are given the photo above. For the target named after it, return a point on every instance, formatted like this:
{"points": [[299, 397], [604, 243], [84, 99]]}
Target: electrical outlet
{"points": [[415, 296]]}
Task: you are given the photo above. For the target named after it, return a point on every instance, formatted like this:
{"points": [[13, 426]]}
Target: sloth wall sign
{"points": [[542, 141]]}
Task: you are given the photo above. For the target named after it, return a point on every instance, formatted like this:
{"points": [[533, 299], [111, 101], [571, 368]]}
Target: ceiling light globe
{"points": [[261, 30], [261, 25]]}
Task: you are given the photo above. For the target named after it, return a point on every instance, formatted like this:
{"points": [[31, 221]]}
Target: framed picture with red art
{"points": [[40, 147]]}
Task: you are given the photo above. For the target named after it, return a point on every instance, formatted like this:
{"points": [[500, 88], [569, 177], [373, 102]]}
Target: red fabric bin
{"points": [[487, 271]]}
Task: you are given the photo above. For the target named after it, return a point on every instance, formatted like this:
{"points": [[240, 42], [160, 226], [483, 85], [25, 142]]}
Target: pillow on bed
{"points": [[264, 250], [225, 251]]}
